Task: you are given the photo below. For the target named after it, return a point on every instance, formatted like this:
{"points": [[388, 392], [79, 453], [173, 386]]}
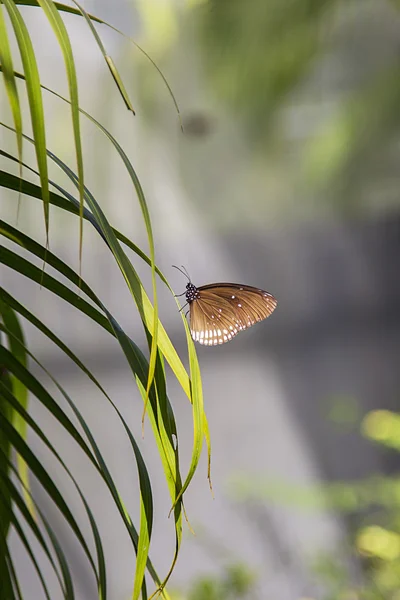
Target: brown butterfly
{"points": [[218, 311]]}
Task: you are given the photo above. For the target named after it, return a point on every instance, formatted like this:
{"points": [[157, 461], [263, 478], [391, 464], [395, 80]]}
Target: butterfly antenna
{"points": [[185, 273]]}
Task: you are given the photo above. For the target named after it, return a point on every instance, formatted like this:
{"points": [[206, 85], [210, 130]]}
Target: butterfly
{"points": [[219, 311]]}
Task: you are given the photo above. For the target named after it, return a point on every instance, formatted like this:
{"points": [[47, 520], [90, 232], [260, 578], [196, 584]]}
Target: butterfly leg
{"points": [[181, 309], [179, 295]]}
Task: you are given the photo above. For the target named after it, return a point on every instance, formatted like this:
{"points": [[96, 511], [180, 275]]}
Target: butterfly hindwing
{"points": [[211, 327]]}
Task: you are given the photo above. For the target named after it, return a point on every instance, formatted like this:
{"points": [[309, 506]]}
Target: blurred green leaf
{"points": [[382, 426], [343, 410]]}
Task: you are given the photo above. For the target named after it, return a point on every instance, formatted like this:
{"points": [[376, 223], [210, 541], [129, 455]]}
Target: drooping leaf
{"points": [[34, 92]]}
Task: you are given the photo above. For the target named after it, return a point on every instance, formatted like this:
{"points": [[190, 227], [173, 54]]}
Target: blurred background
{"points": [[286, 177]]}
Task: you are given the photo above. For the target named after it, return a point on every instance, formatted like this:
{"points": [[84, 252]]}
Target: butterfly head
{"points": [[192, 293]]}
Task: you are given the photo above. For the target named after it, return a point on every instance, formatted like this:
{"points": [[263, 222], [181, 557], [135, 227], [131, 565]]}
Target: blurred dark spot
{"points": [[198, 124]]}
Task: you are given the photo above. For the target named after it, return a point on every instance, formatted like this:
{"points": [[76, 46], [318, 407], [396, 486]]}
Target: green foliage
{"points": [[236, 582], [256, 52], [314, 88], [375, 542], [19, 510]]}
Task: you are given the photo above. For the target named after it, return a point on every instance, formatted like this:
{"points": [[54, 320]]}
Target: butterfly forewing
{"points": [[220, 311]]}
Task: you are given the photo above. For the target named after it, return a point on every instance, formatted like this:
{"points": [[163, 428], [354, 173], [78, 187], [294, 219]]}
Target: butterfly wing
{"points": [[222, 310]]}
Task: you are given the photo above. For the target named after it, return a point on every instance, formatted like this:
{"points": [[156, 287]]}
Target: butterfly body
{"points": [[219, 311], [192, 293]]}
